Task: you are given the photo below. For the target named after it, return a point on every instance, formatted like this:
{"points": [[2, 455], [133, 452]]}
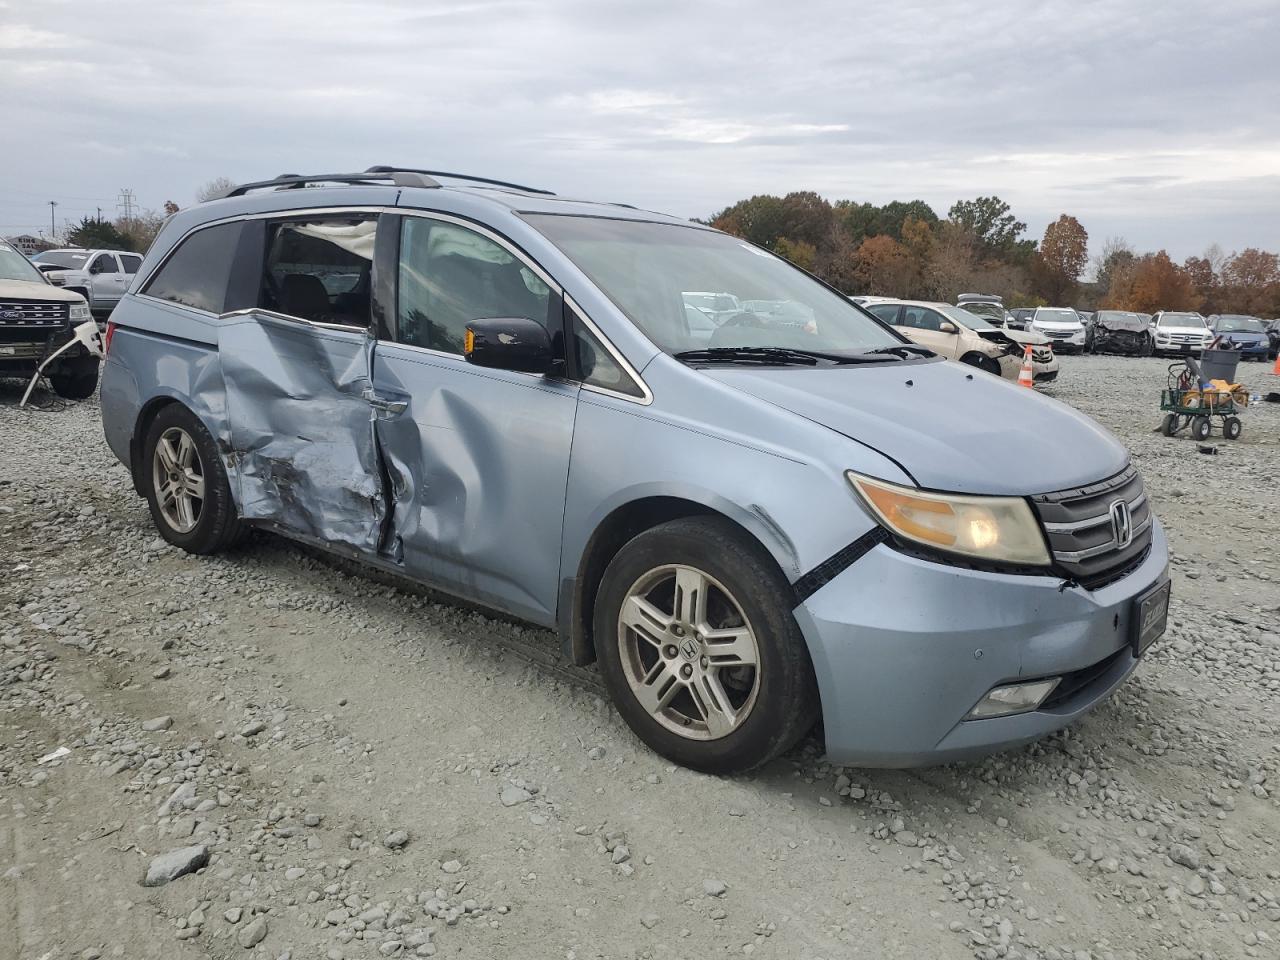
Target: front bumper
{"points": [[904, 648]]}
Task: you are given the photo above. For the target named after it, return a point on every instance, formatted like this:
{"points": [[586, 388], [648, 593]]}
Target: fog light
{"points": [[1013, 698]]}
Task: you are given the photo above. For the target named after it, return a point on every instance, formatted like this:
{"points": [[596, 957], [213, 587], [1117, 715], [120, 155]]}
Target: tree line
{"points": [[904, 249]]}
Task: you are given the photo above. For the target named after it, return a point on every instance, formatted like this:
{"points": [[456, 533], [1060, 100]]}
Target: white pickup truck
{"points": [[101, 276]]}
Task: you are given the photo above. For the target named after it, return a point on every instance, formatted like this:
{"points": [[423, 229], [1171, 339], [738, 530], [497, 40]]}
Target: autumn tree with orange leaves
{"points": [[1152, 283], [1060, 260]]}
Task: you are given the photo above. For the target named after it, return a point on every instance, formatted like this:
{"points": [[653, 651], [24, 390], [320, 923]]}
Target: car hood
{"points": [[1246, 337], [1058, 324], [1166, 328], [34, 290], [1025, 337], [949, 426]]}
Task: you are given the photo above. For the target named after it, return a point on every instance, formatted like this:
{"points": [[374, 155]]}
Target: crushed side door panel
{"points": [[303, 450]]}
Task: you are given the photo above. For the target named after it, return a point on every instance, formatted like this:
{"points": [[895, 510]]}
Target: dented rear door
{"points": [[303, 444], [296, 365]]}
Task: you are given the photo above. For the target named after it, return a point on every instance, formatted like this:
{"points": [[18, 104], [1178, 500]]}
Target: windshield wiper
{"points": [[904, 350], [772, 355]]}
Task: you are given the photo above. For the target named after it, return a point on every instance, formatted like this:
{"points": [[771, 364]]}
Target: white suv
{"points": [[1179, 332], [1061, 325], [101, 276]]}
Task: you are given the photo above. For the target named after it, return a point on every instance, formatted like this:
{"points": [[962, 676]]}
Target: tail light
{"points": [[106, 338]]}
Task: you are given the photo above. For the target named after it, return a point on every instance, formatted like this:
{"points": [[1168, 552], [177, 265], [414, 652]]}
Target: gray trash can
{"points": [[1219, 364]]}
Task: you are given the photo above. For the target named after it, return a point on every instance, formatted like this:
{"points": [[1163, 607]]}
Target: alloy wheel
{"points": [[178, 479], [688, 652]]}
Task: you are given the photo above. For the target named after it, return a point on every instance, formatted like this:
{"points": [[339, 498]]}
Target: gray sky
{"points": [[1157, 122]]}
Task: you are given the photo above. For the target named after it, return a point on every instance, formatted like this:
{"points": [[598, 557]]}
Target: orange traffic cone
{"points": [[1026, 376], [1276, 368]]}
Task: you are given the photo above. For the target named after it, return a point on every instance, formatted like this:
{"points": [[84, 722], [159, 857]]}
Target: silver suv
{"points": [[100, 276], [498, 392]]}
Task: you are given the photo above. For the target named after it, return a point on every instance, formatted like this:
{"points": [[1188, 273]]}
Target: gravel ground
{"points": [[307, 763]]}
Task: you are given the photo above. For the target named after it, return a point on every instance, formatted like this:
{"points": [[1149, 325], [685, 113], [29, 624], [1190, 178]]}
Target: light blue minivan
{"points": [[752, 518]]}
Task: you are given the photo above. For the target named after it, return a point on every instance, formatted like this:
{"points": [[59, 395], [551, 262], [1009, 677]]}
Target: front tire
{"points": [[982, 362], [186, 484], [1201, 427], [76, 379], [699, 649]]}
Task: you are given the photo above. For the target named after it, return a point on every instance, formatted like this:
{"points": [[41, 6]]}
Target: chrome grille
{"points": [[1042, 354], [1082, 534], [33, 313]]}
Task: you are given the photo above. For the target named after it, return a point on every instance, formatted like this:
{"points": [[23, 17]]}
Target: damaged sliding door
{"points": [[300, 406]]}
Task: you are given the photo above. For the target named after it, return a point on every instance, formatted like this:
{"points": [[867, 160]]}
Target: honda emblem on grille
{"points": [[1121, 524]]}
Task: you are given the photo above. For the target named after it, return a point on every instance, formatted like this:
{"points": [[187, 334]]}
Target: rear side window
{"points": [[321, 270], [196, 273], [450, 275], [888, 312], [104, 263], [130, 261], [920, 318]]}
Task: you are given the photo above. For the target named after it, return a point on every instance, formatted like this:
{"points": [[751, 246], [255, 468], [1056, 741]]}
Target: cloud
{"points": [[1148, 123]]}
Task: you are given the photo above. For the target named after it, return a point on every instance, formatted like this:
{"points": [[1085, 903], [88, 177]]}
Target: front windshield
{"points": [[1180, 320], [14, 266], [649, 269], [67, 259], [967, 316], [1231, 323], [1057, 315]]}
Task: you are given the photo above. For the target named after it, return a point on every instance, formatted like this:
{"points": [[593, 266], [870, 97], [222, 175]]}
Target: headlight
{"points": [[80, 313], [1001, 529]]}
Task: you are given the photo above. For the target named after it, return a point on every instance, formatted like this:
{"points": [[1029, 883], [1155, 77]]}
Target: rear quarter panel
{"points": [[160, 352]]}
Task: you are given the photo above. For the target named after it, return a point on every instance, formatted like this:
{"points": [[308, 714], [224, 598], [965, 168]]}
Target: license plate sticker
{"points": [[1151, 617]]}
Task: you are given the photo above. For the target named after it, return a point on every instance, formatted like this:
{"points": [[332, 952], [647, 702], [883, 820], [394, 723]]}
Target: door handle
{"points": [[384, 404]]}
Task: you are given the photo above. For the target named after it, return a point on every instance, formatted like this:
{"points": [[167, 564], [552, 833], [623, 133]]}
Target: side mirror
{"points": [[946, 326], [509, 343]]}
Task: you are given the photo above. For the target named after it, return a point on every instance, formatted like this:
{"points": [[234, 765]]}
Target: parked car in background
{"points": [[1062, 326], [36, 318], [1179, 331], [1118, 331], [1020, 317], [957, 334], [1273, 335], [785, 521], [717, 306], [100, 276], [988, 306], [1244, 333]]}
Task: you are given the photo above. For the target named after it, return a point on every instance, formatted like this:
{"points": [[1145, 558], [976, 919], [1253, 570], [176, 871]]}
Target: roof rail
{"points": [[287, 181], [384, 169]]}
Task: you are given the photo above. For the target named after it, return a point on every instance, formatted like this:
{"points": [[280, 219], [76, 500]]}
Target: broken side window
{"points": [[321, 270]]}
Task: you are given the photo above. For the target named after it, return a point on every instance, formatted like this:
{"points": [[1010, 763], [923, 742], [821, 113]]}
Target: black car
{"points": [[1118, 331]]}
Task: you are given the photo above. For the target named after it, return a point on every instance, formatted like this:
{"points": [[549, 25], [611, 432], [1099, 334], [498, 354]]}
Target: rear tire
{"points": [[1170, 425], [651, 643], [1231, 428], [76, 379], [186, 484], [1201, 427]]}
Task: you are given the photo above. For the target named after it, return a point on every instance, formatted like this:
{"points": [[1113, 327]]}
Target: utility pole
{"points": [[53, 227], [99, 214]]}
